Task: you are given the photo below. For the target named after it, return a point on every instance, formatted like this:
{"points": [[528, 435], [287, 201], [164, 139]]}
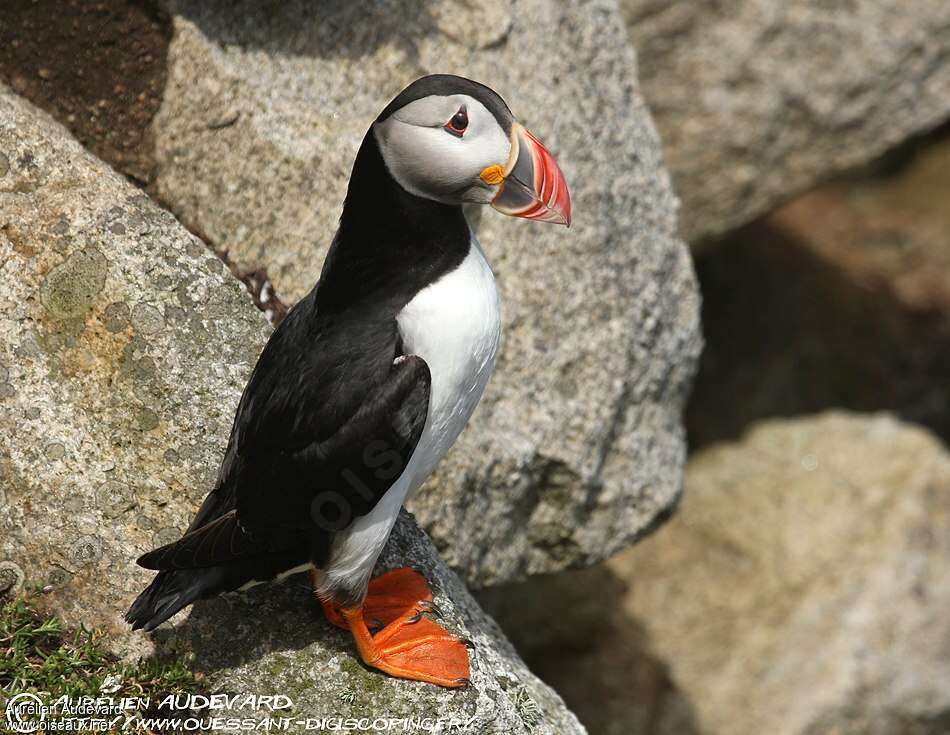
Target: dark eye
{"points": [[458, 123]]}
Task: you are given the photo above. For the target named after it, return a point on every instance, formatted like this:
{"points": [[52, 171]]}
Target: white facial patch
{"points": [[431, 162]]}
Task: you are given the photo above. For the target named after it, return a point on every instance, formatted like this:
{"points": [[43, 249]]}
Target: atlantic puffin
{"points": [[369, 380]]}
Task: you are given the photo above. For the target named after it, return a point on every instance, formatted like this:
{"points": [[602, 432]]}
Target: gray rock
{"points": [[760, 99], [577, 448], [114, 426]]}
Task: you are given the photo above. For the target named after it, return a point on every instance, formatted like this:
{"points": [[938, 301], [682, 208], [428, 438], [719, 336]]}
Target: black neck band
{"points": [[391, 243]]}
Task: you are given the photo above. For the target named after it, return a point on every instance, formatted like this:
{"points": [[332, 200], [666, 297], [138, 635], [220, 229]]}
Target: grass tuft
{"points": [[38, 655]]}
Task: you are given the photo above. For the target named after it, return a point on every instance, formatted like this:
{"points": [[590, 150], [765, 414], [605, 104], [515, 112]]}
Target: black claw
{"points": [[415, 618], [436, 610], [463, 681], [468, 643]]}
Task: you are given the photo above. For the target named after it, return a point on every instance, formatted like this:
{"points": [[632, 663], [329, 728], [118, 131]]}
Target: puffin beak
{"points": [[532, 186]]}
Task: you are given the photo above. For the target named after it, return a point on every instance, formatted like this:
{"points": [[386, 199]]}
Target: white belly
{"points": [[455, 326]]}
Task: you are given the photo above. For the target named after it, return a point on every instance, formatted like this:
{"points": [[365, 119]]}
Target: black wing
{"points": [[326, 424], [328, 484]]}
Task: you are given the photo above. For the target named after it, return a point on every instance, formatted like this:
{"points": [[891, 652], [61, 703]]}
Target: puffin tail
{"points": [[203, 562], [168, 593], [216, 557]]}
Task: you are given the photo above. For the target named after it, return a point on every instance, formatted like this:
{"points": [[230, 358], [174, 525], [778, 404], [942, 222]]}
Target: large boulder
{"points": [[758, 100], [124, 345], [808, 577], [802, 589], [577, 449]]}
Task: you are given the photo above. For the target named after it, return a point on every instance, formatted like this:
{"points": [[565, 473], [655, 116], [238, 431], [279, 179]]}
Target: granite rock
{"points": [[807, 576], [801, 589]]}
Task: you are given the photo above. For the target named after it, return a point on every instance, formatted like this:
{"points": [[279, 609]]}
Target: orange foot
{"points": [[409, 645]]}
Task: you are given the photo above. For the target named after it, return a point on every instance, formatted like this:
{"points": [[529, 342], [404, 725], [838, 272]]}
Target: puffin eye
{"points": [[458, 123]]}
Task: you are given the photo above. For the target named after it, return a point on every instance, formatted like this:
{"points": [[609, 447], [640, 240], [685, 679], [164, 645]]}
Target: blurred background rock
{"points": [[802, 584]]}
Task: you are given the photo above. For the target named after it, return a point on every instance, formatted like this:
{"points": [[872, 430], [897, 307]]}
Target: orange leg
{"points": [[388, 596], [409, 645]]}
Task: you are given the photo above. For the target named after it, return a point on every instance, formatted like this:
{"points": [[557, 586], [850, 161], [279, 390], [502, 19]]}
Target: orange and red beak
{"points": [[532, 185]]}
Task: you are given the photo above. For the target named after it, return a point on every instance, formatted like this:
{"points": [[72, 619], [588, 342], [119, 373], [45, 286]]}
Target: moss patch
{"points": [[367, 682]]}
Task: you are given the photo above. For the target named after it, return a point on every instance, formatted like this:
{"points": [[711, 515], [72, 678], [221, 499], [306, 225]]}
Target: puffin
{"points": [[368, 381]]}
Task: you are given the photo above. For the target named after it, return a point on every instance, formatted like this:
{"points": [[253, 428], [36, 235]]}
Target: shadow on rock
{"points": [[790, 332], [572, 631], [335, 29], [232, 630]]}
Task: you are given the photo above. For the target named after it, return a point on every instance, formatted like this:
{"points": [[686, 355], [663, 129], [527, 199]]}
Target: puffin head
{"points": [[455, 141]]}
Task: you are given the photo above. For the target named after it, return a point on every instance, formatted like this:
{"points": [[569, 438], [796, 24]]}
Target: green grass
{"points": [[38, 655]]}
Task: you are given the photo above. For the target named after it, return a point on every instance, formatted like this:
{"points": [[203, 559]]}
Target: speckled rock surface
{"points": [[758, 100], [577, 448], [124, 347], [801, 589], [808, 577]]}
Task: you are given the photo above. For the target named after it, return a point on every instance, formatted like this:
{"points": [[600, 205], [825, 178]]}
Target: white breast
{"points": [[454, 324]]}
